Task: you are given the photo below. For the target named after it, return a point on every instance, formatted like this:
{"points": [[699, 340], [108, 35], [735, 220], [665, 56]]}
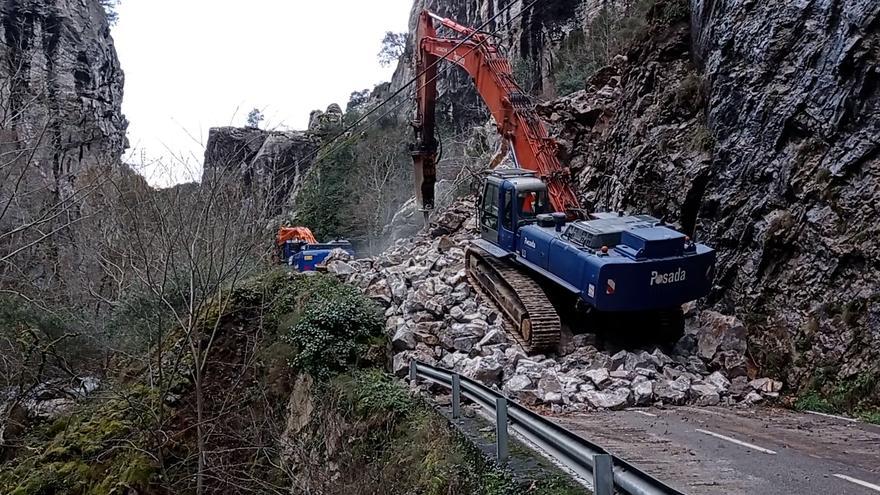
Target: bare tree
{"points": [[381, 182]]}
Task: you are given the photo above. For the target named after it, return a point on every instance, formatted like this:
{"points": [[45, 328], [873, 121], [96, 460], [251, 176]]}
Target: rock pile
{"points": [[433, 315]]}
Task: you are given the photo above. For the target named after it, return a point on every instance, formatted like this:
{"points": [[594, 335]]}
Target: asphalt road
{"points": [[741, 451]]}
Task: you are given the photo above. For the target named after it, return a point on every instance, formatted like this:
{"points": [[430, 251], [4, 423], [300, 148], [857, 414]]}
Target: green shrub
{"points": [[373, 391], [702, 138], [326, 201], [334, 328], [575, 62], [526, 74]]}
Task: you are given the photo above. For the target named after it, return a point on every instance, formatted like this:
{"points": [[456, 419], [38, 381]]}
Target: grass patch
{"points": [[374, 391], [394, 443], [856, 397]]}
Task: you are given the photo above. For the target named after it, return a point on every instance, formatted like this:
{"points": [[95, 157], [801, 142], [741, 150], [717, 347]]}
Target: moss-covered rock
{"points": [[96, 450]]}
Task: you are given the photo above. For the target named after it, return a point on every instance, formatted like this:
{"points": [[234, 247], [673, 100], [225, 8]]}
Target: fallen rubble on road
{"points": [[433, 315]]}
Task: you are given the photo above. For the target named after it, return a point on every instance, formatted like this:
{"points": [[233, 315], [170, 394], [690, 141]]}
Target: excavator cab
{"points": [[511, 198], [531, 204]]}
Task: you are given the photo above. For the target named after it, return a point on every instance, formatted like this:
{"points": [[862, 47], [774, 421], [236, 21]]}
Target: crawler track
{"points": [[534, 321]]}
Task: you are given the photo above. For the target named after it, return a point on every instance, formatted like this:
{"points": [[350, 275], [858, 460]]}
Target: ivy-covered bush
{"points": [[332, 329]]}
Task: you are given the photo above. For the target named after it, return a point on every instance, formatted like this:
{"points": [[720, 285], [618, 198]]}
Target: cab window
{"points": [[490, 207], [508, 210], [531, 204]]}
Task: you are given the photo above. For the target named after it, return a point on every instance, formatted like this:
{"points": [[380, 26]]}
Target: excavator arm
{"points": [[521, 128]]}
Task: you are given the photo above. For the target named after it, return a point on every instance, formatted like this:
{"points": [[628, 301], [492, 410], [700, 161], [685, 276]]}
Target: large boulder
{"points": [[404, 339], [522, 389], [704, 395], [600, 377], [642, 390], [672, 391], [485, 369], [719, 332], [550, 388], [610, 399]]}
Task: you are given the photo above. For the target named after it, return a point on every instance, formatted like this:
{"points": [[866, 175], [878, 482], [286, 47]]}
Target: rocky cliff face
{"points": [[61, 131], [792, 198], [270, 165], [765, 146], [62, 91]]}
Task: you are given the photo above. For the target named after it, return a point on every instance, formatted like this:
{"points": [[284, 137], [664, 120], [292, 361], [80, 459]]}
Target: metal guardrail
{"points": [[589, 461]]}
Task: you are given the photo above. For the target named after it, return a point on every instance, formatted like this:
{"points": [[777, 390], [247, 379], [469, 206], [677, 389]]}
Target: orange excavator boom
{"points": [[521, 128]]}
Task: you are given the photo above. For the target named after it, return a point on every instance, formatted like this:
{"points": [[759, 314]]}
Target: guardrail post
{"points": [[456, 396], [603, 475], [413, 372], [501, 429]]}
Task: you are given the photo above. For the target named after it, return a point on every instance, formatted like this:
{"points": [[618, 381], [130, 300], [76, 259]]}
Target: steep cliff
{"points": [[271, 165], [61, 131], [62, 91], [795, 191]]}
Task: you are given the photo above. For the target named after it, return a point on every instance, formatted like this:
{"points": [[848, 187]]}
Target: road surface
{"points": [[713, 450]]}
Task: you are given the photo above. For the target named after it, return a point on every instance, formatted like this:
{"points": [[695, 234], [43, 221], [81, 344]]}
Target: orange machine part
{"points": [[295, 234], [518, 122]]}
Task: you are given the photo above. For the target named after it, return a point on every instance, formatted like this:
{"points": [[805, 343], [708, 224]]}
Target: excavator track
{"points": [[534, 322]]}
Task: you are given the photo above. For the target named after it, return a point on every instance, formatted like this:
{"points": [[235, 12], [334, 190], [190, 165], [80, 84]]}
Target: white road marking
{"points": [[833, 416], [870, 486], [643, 413], [703, 411], [738, 442]]}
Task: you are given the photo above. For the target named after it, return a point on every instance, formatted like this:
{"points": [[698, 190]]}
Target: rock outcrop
{"points": [[63, 88], [270, 165], [792, 193], [62, 134]]}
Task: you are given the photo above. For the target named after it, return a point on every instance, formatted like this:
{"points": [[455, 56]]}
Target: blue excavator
{"points": [[536, 245], [298, 248]]}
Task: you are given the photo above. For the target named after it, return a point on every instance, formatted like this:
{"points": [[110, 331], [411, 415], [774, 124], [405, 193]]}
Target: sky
{"points": [[195, 64]]}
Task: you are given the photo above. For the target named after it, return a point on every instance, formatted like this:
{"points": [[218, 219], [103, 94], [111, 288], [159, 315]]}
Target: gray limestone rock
{"points": [[610, 399], [704, 395], [404, 339], [521, 389], [599, 377], [643, 391], [484, 369]]}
